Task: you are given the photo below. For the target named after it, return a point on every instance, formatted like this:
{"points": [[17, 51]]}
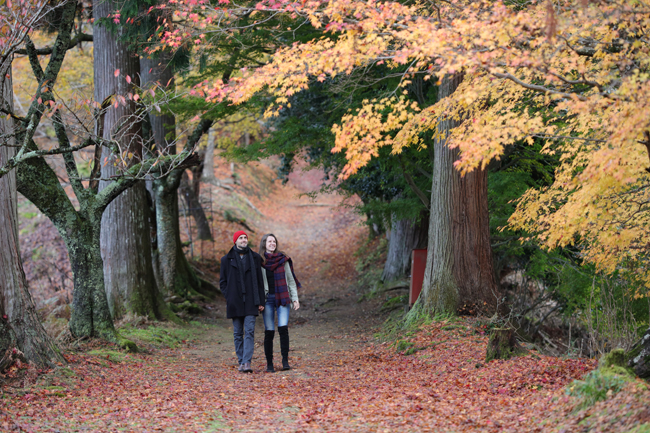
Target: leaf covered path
{"points": [[343, 378]]}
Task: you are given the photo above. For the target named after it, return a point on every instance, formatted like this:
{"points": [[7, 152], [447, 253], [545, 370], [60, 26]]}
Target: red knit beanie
{"points": [[237, 235]]}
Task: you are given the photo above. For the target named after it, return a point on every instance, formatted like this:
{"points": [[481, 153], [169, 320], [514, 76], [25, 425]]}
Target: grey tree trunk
{"points": [[208, 159], [27, 331], [459, 268], [405, 236], [36, 180], [176, 277], [191, 197], [125, 232]]}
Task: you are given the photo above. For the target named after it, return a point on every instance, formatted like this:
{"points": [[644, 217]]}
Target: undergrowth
{"points": [[162, 334], [599, 385], [369, 261]]}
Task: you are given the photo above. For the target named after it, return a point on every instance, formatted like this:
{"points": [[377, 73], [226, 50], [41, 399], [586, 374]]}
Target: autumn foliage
{"points": [[571, 74]]}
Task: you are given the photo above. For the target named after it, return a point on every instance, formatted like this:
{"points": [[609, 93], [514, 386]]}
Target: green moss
{"points": [[643, 428], [453, 326], [65, 371], [401, 345], [616, 357], [163, 334], [187, 306], [111, 355], [394, 303], [503, 349], [599, 385]]}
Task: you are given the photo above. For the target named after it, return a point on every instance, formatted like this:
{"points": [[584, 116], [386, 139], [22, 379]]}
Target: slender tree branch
{"points": [[81, 37], [422, 196], [33, 59], [536, 87], [68, 157], [133, 175], [99, 132]]}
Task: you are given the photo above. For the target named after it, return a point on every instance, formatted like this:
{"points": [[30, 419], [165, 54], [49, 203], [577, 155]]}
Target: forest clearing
{"points": [[341, 215]]}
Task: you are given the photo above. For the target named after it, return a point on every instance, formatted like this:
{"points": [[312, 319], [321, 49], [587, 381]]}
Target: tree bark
{"points": [[459, 260], [125, 233], [473, 263], [204, 232], [80, 231], [502, 345], [176, 277], [207, 175], [639, 356], [27, 331], [36, 180], [405, 236]]}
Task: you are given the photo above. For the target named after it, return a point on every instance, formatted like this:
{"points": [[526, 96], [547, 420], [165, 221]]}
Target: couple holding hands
{"points": [[255, 283]]}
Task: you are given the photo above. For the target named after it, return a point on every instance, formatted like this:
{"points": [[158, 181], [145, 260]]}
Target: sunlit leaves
{"points": [[584, 63]]}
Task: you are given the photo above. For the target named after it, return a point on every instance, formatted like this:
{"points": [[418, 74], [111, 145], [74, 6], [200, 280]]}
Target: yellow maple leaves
{"points": [[571, 73]]}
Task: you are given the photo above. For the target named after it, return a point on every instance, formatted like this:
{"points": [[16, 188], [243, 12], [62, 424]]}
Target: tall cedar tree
{"points": [[21, 325], [125, 230]]}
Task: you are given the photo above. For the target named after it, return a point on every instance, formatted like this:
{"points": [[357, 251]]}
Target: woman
{"points": [[281, 288]]}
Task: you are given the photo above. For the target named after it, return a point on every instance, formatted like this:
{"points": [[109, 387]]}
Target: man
{"points": [[243, 287]]}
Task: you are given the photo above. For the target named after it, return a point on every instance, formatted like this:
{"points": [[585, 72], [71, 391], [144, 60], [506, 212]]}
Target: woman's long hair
{"points": [[263, 246]]}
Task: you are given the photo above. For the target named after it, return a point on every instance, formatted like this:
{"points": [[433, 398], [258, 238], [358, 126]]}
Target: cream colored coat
{"points": [[291, 283]]}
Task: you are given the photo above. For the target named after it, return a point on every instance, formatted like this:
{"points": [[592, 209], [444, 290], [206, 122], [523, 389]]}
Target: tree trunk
{"points": [[91, 313], [502, 345], [405, 236], [207, 175], [8, 347], [176, 277], [196, 209], [473, 263], [440, 289], [639, 356], [125, 233], [16, 302], [459, 260], [80, 231]]}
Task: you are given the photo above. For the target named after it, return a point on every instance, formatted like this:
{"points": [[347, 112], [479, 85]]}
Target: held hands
{"points": [[296, 305], [261, 308]]}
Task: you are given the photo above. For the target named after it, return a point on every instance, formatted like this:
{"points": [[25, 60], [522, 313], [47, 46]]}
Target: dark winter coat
{"points": [[229, 284]]}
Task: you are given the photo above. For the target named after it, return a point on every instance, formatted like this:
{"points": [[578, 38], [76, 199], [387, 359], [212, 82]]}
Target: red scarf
{"points": [[275, 263]]}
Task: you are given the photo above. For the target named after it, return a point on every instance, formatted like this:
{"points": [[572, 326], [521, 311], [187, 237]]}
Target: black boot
{"points": [[284, 346], [268, 350]]}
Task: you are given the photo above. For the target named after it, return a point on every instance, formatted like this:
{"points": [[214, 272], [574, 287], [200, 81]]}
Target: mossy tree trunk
{"points": [[459, 269], [176, 276], [38, 182], [125, 236], [440, 288], [90, 305], [22, 327], [639, 356], [80, 229], [502, 344]]}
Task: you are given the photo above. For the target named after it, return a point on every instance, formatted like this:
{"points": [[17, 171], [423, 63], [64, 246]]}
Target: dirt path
{"points": [[322, 237]]}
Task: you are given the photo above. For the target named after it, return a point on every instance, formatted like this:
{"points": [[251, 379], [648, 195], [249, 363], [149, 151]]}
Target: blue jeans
{"points": [[244, 334], [269, 313]]}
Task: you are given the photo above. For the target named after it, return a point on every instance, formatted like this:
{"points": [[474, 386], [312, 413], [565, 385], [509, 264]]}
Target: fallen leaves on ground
{"points": [[443, 386]]}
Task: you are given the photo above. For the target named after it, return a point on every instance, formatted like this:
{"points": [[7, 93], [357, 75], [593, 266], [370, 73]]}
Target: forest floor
{"points": [[344, 376]]}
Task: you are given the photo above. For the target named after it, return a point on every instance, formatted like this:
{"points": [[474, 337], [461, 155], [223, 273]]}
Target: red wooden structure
{"points": [[418, 264]]}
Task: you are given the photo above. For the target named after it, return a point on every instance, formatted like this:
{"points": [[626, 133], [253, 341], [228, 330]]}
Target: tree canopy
{"points": [[573, 73]]}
